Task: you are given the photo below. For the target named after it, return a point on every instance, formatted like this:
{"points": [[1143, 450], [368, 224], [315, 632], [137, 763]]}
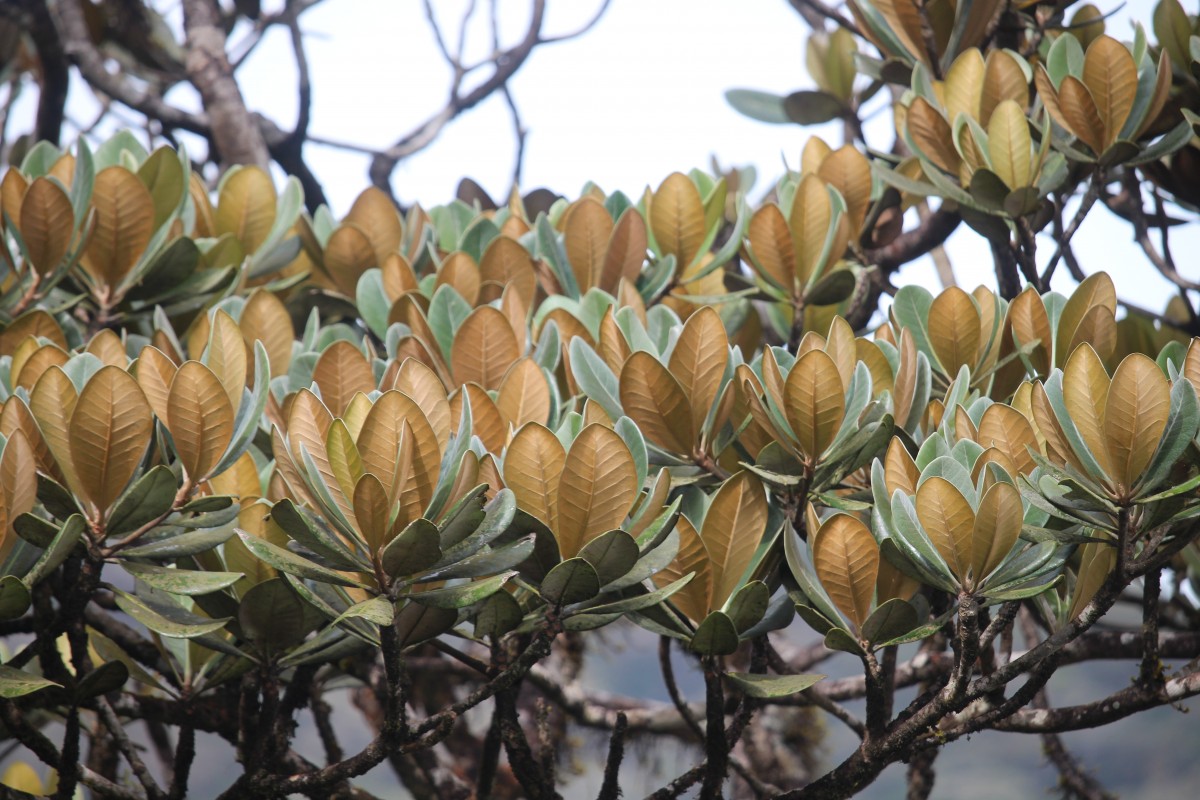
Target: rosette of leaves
{"points": [[680, 403], [722, 544], [795, 246], [953, 520], [599, 535], [1109, 99], [1114, 440], [1048, 328], [847, 592], [972, 128], [819, 408]]}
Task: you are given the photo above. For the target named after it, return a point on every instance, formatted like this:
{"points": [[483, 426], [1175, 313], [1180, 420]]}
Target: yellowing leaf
{"points": [[1111, 78], [997, 527], [484, 348], [699, 360], [1139, 402], [692, 599], [733, 527], [109, 432], [597, 488], [246, 206], [226, 356], [1003, 80], [124, 220], [200, 419], [1096, 290], [1085, 391], [586, 231], [949, 522], [814, 402], [812, 213], [653, 398], [846, 559], [533, 464], [341, 372], [47, 221], [1010, 145], [677, 218], [964, 85]]}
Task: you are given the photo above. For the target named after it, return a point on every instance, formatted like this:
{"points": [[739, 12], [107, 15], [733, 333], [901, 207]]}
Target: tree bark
{"points": [[236, 134]]}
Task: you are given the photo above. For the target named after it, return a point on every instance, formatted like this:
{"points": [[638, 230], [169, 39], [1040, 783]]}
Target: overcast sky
{"points": [[638, 97]]}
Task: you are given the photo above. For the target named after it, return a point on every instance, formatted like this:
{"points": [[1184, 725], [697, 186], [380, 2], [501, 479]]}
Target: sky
{"points": [[639, 96]]}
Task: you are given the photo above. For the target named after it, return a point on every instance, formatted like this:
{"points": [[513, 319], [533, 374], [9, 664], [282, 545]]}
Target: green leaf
{"points": [[595, 378], [58, 550], [498, 615], [840, 639], [893, 619], [572, 581], [498, 516], [463, 518], [762, 106], [272, 617], [417, 623], [108, 677], [181, 581], [813, 108], [639, 602], [372, 301], [377, 609], [312, 534], [15, 683], [14, 597], [177, 543], [612, 554], [833, 287], [815, 619], [415, 548], [463, 594], [287, 561], [166, 620], [716, 636], [748, 605], [150, 497], [766, 687]]}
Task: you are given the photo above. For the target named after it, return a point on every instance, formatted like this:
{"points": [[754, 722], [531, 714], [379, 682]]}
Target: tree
{"points": [[251, 453]]}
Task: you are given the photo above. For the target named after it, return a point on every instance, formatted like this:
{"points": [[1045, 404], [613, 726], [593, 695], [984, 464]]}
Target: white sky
{"points": [[639, 96]]}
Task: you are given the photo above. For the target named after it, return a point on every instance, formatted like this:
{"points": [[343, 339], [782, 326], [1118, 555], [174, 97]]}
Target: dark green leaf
{"points": [[308, 531], [498, 615], [271, 616], [417, 623], [150, 497], [572, 581], [287, 561], [762, 106], [58, 550], [166, 620], [813, 108], [14, 597], [178, 543], [415, 548], [892, 619], [108, 677], [612, 554], [766, 687], [839, 639], [716, 636], [463, 594], [181, 581], [833, 287], [748, 605]]}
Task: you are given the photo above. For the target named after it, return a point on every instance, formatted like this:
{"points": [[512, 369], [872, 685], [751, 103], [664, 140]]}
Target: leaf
{"points": [[596, 490], [14, 598], [761, 106], [997, 528], [612, 554], [1080, 113], [954, 330], [747, 607], [814, 402], [1139, 401], [653, 398], [716, 636], [691, 559], [733, 527], [246, 206], [413, 550], [768, 687], [846, 559], [17, 683], [587, 227], [287, 561], [186, 582], [1085, 389], [1009, 145], [166, 620], [463, 594], [699, 362], [340, 373], [770, 243], [124, 221], [47, 222], [948, 521], [200, 419], [533, 464], [677, 218], [572, 581], [272, 617], [524, 395], [890, 621], [181, 544], [813, 108], [484, 348], [932, 135], [1111, 78], [109, 432]]}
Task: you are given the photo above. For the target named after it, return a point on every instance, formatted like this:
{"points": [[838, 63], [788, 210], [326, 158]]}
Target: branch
{"points": [[815, 12]]}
